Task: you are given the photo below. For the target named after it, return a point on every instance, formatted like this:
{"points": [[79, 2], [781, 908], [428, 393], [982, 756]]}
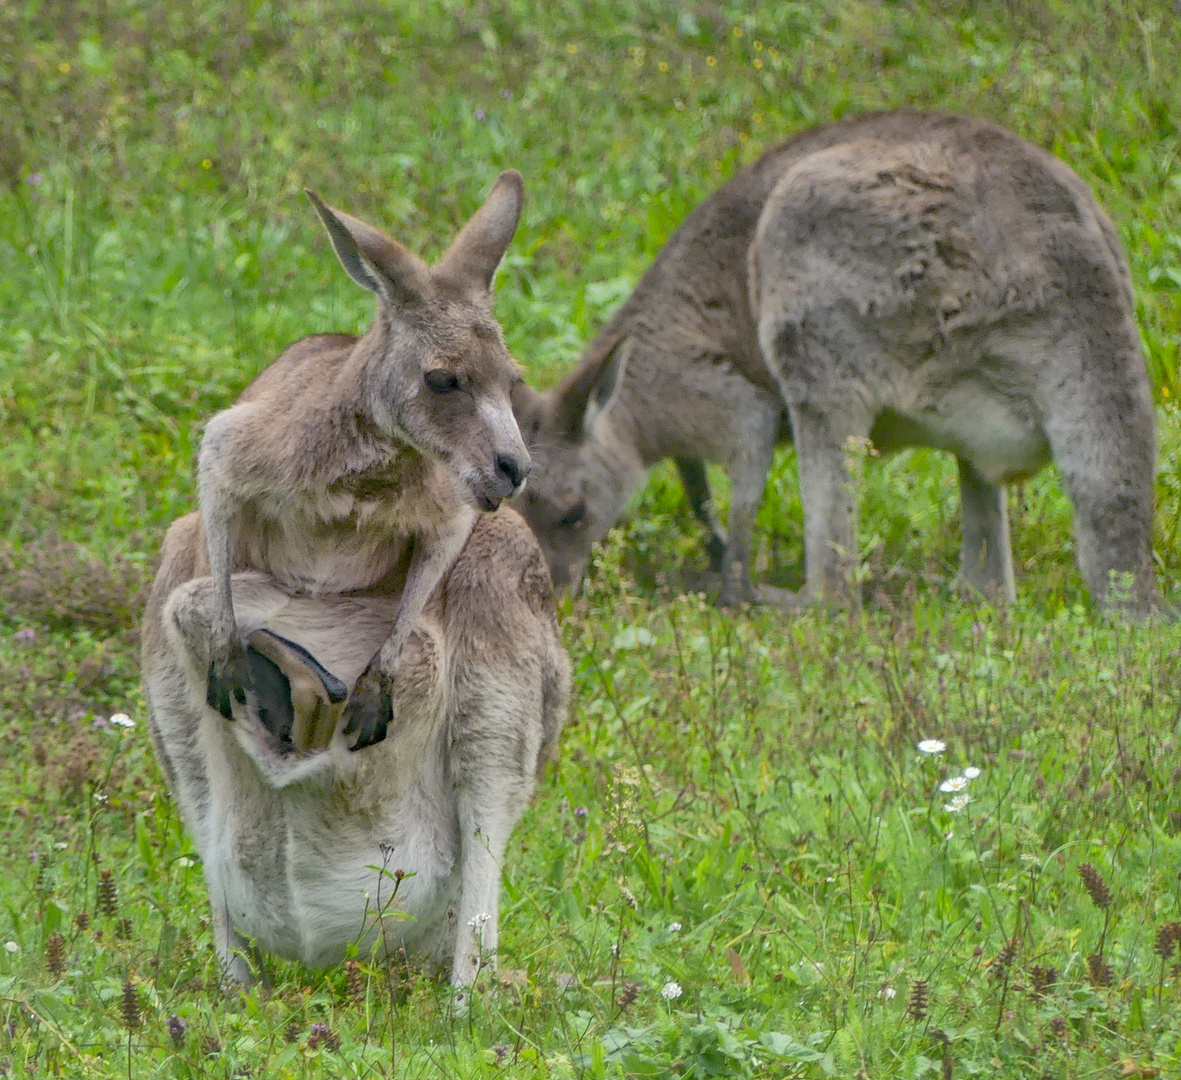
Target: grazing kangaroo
{"points": [[915, 278], [353, 676]]}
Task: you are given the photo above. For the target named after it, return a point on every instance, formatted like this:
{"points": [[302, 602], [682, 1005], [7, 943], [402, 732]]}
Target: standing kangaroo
{"points": [[350, 671], [915, 278]]}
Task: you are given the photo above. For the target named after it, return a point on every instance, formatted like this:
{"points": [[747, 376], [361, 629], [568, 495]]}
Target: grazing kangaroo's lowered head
{"points": [[439, 375], [588, 471]]}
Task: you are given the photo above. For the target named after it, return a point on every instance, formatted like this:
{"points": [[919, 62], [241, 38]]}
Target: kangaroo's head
{"points": [[588, 467], [437, 374]]}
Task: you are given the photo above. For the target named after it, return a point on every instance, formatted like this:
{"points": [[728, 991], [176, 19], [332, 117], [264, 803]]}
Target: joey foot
{"points": [[256, 683], [370, 709]]}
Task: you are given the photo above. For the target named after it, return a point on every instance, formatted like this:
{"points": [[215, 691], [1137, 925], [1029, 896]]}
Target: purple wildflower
{"points": [[479, 114]]}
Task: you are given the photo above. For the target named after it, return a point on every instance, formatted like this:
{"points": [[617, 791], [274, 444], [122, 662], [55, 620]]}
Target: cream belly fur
{"points": [[294, 839]]}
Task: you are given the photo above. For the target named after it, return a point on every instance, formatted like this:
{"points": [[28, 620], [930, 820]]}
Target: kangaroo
{"points": [[350, 655], [913, 278]]}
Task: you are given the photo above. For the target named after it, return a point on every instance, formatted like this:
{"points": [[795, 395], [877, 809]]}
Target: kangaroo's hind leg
{"points": [[986, 560], [695, 480]]}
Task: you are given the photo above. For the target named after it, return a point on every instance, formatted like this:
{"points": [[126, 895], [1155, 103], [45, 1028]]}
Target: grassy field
{"points": [[742, 864]]}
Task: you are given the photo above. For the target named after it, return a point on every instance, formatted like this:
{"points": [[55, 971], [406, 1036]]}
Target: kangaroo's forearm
{"points": [[428, 564]]}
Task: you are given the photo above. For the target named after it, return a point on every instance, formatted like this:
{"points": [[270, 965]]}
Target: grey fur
{"points": [[914, 278], [339, 497]]}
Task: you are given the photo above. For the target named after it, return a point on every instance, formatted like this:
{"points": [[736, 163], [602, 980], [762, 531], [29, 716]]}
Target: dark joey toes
{"points": [[272, 696], [228, 681], [369, 711]]}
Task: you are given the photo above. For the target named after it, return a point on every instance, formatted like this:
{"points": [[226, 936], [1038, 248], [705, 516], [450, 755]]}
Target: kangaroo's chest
{"points": [[333, 542]]}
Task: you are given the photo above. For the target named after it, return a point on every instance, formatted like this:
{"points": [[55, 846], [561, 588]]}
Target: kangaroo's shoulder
{"points": [[503, 559], [315, 351]]}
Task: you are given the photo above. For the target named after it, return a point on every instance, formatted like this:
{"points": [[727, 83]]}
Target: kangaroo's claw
{"points": [[229, 680]]}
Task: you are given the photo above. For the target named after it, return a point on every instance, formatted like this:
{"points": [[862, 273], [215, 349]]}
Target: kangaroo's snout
{"points": [[514, 469]]}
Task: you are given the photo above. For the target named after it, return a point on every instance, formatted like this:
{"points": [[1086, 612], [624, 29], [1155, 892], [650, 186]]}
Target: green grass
{"points": [[753, 779]]}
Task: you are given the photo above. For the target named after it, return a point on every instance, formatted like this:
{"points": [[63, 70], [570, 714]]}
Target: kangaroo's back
{"points": [[937, 278]]}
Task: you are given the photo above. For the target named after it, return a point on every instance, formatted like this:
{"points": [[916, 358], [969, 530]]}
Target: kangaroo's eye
{"points": [[441, 381], [574, 516]]}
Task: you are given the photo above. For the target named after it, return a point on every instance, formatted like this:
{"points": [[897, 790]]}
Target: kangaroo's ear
{"points": [[373, 260], [590, 390], [474, 255]]}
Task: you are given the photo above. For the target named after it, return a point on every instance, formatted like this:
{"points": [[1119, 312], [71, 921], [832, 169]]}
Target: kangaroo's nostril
{"points": [[512, 469]]}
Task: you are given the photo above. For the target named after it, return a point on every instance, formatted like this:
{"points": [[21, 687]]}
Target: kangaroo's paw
{"points": [[370, 709], [229, 681]]}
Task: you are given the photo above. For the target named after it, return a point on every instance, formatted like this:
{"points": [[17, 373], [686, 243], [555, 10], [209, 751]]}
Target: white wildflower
{"points": [[185, 861], [121, 719], [476, 922], [888, 992], [957, 804], [932, 746], [12, 947], [971, 772], [954, 783], [61, 845], [830, 879], [670, 991], [674, 927]]}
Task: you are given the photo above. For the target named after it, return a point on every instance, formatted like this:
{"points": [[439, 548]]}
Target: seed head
{"points": [[82, 920], [55, 954], [1043, 978], [628, 994], [123, 929], [291, 1031], [108, 895], [129, 1006], [355, 981], [1096, 886], [1099, 972], [918, 1000], [1004, 958], [1166, 939]]}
